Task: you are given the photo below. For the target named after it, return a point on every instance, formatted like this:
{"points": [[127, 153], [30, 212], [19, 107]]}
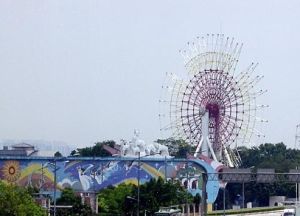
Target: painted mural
{"points": [[90, 175]]}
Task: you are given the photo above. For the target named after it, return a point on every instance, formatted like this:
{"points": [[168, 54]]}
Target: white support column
{"points": [[211, 150], [228, 158], [205, 147], [205, 134], [194, 209], [198, 149]]}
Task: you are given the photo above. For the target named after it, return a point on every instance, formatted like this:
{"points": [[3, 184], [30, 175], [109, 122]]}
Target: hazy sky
{"points": [[86, 71]]}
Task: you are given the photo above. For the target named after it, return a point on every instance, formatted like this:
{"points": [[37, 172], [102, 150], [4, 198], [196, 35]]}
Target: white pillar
{"points": [[194, 210], [205, 134], [183, 208]]}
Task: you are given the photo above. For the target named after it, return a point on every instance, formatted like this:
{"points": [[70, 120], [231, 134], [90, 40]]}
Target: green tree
{"points": [[95, 151], [157, 193], [122, 200], [68, 197], [114, 200], [17, 201], [74, 153], [177, 148], [267, 155], [58, 154]]}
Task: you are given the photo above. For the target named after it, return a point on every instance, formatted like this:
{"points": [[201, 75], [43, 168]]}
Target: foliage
{"points": [[58, 154], [157, 193], [113, 199], [17, 201], [95, 151], [177, 148], [74, 153], [267, 155], [275, 156], [32, 190], [122, 200], [68, 197]]}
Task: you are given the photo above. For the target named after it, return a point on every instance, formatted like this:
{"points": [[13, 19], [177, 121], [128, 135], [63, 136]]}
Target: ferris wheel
{"points": [[211, 106]]}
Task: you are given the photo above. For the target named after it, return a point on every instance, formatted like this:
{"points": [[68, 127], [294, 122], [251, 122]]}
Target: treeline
{"points": [[123, 199], [177, 148], [268, 155], [276, 156], [16, 200], [94, 151]]}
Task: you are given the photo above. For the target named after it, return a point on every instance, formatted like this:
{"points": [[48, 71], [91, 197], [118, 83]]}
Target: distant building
{"points": [[21, 149], [44, 147], [25, 150]]}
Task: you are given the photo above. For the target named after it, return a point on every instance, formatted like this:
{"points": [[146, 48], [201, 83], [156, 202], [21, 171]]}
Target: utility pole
{"points": [[139, 167], [224, 204], [187, 185], [166, 176], [204, 194], [297, 136], [55, 184]]}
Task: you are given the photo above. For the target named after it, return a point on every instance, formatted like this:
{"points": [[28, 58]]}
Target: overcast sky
{"points": [[87, 71]]}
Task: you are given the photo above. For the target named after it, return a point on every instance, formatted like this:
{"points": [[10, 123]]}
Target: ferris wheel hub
{"points": [[213, 109]]}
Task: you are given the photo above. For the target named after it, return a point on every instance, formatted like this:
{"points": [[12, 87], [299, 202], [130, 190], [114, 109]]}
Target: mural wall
{"points": [[90, 175]]}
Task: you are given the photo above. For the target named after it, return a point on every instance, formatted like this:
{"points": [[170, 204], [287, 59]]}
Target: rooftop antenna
{"points": [[297, 135]]}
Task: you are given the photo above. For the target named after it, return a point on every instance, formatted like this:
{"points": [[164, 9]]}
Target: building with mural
{"points": [[89, 175]]}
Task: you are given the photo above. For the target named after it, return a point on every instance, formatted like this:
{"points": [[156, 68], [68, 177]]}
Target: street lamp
{"points": [[42, 178], [53, 164], [297, 136], [54, 213], [138, 182], [94, 172], [95, 193], [204, 193], [166, 165], [224, 204], [187, 184]]}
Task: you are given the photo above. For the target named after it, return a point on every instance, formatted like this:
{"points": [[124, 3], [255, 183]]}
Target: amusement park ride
{"points": [[212, 107]]}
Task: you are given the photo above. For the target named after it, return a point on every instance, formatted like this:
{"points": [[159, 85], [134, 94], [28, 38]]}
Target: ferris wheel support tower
{"points": [[205, 147]]}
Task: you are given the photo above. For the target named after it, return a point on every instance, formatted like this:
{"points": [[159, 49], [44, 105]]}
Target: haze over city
{"points": [[87, 71]]}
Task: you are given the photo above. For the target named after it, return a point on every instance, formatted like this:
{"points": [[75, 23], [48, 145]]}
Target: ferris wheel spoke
{"points": [[194, 116]]}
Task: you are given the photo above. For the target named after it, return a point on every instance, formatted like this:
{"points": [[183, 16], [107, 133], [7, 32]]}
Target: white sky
{"points": [[86, 71]]}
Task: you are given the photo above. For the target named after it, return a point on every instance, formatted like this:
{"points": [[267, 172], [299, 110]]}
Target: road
{"points": [[273, 213]]}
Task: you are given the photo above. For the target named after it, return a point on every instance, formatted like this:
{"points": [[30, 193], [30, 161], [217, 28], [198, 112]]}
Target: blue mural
{"points": [[94, 174]]}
